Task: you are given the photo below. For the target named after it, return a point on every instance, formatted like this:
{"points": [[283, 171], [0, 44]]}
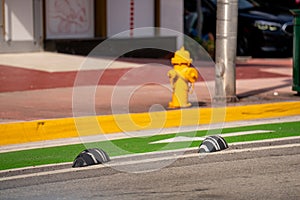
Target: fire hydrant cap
{"points": [[191, 74], [182, 57]]}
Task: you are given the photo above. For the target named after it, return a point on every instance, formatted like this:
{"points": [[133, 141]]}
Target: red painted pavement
{"points": [[20, 79]]}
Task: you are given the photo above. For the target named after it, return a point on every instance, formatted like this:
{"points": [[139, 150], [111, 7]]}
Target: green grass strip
{"points": [[35, 157]]}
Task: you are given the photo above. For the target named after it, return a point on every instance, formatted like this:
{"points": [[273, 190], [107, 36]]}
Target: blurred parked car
{"points": [[261, 29]]}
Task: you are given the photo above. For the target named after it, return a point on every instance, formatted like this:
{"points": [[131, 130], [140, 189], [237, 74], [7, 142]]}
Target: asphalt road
{"points": [[264, 171]]}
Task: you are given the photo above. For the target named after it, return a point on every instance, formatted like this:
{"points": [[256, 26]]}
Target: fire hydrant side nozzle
{"points": [[182, 78]]}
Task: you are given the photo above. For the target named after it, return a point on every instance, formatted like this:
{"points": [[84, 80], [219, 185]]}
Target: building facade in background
{"points": [[38, 25]]}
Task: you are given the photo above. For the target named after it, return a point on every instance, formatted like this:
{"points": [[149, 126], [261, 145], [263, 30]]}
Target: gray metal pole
{"points": [[226, 40]]}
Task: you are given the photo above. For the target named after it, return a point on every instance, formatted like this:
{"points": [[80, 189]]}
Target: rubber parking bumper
{"points": [[212, 144], [91, 156]]}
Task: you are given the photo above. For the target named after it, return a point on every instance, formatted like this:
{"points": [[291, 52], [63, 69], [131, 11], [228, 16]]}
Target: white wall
{"points": [[19, 20], [171, 14], [118, 15], [171, 17]]}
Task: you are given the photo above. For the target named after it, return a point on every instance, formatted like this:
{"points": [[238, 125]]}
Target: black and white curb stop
{"points": [[92, 156], [212, 144]]}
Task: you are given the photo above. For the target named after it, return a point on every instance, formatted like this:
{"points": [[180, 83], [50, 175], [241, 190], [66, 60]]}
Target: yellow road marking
{"points": [[23, 132]]}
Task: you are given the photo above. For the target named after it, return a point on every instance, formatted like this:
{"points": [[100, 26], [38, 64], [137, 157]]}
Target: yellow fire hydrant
{"points": [[182, 79]]}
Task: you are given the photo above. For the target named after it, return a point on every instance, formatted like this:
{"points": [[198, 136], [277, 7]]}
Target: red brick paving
{"points": [[20, 79]]}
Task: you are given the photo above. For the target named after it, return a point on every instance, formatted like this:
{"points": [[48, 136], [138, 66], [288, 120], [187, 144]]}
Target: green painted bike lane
{"points": [[118, 147]]}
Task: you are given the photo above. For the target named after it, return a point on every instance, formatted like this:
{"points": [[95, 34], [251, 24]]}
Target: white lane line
{"points": [[178, 139], [246, 133], [229, 151], [191, 139], [153, 153]]}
